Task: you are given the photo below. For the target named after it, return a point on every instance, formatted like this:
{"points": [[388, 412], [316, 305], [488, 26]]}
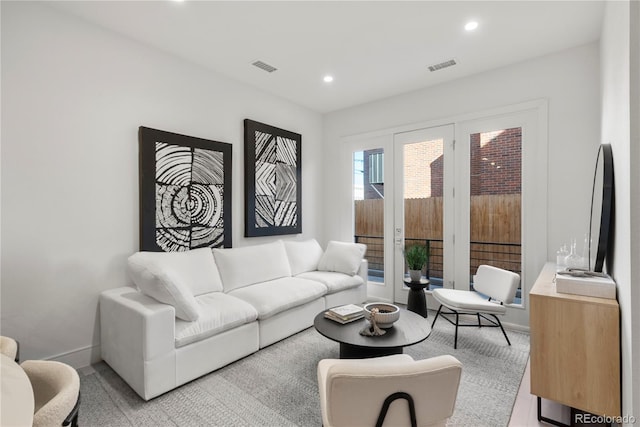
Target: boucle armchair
{"points": [[394, 390], [10, 348], [56, 389]]}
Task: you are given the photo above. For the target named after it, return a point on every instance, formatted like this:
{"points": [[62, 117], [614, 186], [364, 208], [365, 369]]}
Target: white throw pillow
{"points": [[342, 257], [196, 268], [252, 264], [166, 286], [303, 255]]}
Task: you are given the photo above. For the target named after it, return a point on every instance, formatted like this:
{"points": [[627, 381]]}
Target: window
{"points": [[376, 168]]}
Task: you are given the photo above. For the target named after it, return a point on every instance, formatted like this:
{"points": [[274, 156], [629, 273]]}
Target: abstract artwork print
{"points": [[185, 192], [273, 173]]}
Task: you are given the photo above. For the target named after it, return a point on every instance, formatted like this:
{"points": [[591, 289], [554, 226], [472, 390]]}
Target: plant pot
{"points": [[415, 275]]}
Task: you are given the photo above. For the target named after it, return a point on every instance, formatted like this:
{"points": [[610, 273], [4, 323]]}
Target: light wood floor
{"points": [[525, 409]]}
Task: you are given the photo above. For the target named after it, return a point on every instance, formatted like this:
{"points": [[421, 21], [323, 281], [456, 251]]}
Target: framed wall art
{"points": [[185, 192], [273, 180]]}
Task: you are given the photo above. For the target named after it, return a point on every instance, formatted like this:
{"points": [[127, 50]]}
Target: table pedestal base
{"points": [[417, 302], [348, 351]]}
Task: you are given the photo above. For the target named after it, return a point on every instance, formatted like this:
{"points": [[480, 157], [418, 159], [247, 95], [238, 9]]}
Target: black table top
{"points": [[409, 329], [423, 283]]}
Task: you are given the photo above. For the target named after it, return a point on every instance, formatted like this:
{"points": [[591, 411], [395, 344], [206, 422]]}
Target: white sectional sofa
{"points": [[196, 311]]}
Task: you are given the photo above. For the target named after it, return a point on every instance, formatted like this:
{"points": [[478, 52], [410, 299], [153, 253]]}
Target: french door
{"points": [[472, 192], [423, 204], [458, 191]]}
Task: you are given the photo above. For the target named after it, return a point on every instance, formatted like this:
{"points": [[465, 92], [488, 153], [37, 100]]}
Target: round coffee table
{"points": [[409, 329]]}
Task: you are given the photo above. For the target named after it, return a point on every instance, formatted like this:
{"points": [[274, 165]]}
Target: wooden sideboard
{"points": [[575, 348]]}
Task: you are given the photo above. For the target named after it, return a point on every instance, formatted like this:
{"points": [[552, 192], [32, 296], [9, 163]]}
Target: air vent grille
{"points": [[264, 66], [442, 65]]}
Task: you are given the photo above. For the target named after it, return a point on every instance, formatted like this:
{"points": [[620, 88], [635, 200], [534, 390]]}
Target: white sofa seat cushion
{"points": [[342, 257], [252, 264], [335, 282], [272, 297], [219, 312], [303, 255], [467, 301]]}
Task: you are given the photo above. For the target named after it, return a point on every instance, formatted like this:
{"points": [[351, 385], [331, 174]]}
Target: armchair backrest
{"points": [[56, 388], [497, 283], [353, 391], [9, 347]]}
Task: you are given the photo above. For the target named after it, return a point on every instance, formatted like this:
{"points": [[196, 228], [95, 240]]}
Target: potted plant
{"points": [[416, 257]]}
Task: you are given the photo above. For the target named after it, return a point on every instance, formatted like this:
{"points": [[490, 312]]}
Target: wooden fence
{"points": [[495, 230], [494, 218]]}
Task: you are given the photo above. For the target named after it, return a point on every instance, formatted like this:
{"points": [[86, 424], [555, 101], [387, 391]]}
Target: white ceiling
{"points": [[374, 49]]}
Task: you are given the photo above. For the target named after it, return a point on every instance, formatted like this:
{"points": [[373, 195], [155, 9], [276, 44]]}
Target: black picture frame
{"points": [[185, 191], [272, 180]]}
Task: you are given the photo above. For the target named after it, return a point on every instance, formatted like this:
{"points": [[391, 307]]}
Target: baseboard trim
{"points": [[516, 327], [81, 357]]}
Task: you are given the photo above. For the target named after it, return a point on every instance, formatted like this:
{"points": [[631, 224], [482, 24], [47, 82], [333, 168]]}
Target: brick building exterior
{"points": [[496, 162], [496, 166], [423, 171]]}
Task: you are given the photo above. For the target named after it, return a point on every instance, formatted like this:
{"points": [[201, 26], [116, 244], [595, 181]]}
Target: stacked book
{"points": [[345, 313]]}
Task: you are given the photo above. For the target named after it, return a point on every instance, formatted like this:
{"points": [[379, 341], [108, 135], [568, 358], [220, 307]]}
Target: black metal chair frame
{"points": [[492, 323], [389, 400]]}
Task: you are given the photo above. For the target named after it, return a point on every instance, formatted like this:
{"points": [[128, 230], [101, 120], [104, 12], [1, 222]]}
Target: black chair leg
{"points": [[501, 328], [479, 322], [437, 314], [455, 342]]}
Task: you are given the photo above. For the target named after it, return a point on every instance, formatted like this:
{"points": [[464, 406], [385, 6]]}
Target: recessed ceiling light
{"points": [[471, 25], [327, 79]]}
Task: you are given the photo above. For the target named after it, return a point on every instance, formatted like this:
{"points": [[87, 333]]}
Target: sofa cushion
{"points": [[272, 297], [219, 312], [196, 268], [335, 282], [166, 286], [303, 255], [342, 257], [252, 264], [457, 299]]}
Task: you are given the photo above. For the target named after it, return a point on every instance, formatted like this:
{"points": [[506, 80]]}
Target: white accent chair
{"points": [[368, 392], [493, 286], [10, 348], [56, 389]]}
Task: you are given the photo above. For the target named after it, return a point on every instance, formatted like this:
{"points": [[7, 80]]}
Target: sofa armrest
{"points": [[134, 327], [363, 271]]}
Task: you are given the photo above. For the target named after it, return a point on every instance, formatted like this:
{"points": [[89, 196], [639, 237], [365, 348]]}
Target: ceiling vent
{"points": [[264, 66], [440, 66]]}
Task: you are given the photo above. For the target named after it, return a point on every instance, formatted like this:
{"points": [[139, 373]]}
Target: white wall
{"points": [[73, 97], [620, 97], [568, 80]]}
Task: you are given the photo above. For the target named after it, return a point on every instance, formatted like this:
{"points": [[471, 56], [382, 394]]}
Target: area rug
{"points": [[277, 386]]}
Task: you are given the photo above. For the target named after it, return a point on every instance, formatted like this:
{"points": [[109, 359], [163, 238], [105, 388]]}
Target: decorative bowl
{"points": [[387, 314]]}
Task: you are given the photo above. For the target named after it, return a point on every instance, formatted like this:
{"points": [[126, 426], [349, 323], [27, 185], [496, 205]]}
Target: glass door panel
{"points": [[368, 208], [495, 200], [423, 184], [423, 204]]}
